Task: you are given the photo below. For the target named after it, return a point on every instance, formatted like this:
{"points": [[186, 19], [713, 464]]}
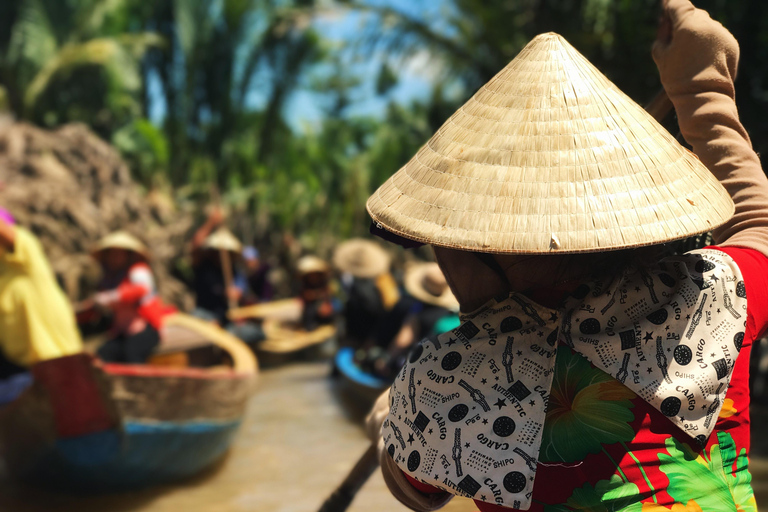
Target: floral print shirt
{"points": [[606, 449]]}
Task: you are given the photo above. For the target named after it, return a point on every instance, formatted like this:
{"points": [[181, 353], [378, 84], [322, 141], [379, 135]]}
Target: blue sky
{"points": [[341, 30]]}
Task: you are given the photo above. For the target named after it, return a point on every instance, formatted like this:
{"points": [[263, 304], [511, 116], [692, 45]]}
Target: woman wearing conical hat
{"points": [[213, 294], [315, 292], [431, 310], [590, 371], [219, 283], [370, 290], [128, 290]]}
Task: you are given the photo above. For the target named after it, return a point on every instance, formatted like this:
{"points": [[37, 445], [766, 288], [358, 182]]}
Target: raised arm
{"points": [[214, 220], [697, 60], [7, 235]]}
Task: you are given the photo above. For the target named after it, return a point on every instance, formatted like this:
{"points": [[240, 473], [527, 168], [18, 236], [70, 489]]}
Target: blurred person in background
{"points": [[211, 244], [370, 291], [255, 281], [429, 309], [36, 319], [218, 282], [315, 292], [128, 290]]}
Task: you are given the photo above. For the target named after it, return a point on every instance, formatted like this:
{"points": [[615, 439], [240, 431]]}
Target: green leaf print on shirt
{"points": [[587, 409], [612, 495], [712, 483]]}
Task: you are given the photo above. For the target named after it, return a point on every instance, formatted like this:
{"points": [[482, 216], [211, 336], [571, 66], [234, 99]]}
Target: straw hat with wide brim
{"points": [[311, 264], [426, 282], [550, 157], [361, 258], [223, 240], [120, 240]]}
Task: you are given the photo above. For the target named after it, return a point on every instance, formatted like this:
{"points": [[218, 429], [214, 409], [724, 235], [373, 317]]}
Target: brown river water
{"points": [[300, 438]]}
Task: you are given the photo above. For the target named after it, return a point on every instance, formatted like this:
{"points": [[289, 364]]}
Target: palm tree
{"points": [[225, 77], [68, 61], [468, 41]]}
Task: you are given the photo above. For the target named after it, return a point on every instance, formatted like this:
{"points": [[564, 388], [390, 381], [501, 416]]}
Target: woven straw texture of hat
{"points": [[550, 156], [361, 258]]}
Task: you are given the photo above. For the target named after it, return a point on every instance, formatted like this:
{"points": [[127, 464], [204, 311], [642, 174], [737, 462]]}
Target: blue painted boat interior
{"points": [[13, 386], [143, 453], [345, 362]]}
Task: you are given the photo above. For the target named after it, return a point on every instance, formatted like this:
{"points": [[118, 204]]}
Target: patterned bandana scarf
{"points": [[468, 408]]}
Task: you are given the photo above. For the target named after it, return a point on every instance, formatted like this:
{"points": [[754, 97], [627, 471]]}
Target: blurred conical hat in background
{"points": [[426, 282], [223, 240], [120, 240], [310, 264], [550, 156], [361, 258]]}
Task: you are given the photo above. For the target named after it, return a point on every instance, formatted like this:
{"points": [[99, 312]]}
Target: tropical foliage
{"points": [[201, 95]]}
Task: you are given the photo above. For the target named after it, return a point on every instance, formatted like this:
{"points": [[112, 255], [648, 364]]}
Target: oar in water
{"points": [[341, 498]]}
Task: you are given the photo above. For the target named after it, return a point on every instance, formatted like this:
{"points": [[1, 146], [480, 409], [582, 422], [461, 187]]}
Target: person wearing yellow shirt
{"points": [[36, 320]]}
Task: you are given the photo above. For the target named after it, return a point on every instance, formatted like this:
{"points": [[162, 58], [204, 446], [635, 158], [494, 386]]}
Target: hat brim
{"points": [[414, 277], [375, 260], [550, 157]]}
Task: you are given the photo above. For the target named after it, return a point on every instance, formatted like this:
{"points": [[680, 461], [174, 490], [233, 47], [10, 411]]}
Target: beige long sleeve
{"points": [[697, 69]]}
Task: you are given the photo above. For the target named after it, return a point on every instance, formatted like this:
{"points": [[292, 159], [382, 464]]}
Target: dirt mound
{"points": [[71, 188]]}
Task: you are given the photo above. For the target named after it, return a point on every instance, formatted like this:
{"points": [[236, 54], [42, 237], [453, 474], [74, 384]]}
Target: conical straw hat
{"points": [[361, 258], [120, 240], [223, 240], [426, 282], [310, 264], [550, 156]]}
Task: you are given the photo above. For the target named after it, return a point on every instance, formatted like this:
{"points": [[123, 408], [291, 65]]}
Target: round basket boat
{"points": [[365, 386], [91, 426]]}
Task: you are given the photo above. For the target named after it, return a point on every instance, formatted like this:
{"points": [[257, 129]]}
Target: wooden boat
{"points": [[283, 309], [91, 426], [287, 341], [363, 385]]}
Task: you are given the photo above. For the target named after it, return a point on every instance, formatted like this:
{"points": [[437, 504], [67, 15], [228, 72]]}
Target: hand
{"points": [[376, 417], [688, 42], [234, 293], [216, 217], [106, 299], [84, 305]]}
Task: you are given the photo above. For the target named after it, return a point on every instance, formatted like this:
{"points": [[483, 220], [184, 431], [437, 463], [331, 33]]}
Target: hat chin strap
{"points": [[489, 261]]}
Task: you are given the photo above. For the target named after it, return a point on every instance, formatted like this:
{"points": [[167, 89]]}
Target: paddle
{"points": [[226, 258], [226, 268], [342, 497]]}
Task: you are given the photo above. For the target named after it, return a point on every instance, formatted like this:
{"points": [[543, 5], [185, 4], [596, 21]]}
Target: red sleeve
{"points": [[425, 488], [754, 269], [131, 293]]}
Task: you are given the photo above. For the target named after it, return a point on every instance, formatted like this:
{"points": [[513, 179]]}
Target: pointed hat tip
{"points": [[548, 36]]}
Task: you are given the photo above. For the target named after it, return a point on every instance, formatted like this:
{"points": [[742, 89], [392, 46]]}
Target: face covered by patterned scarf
{"points": [[468, 409]]}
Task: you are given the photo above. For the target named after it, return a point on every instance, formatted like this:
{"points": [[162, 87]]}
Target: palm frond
{"points": [[119, 56], [94, 17], [33, 39]]}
